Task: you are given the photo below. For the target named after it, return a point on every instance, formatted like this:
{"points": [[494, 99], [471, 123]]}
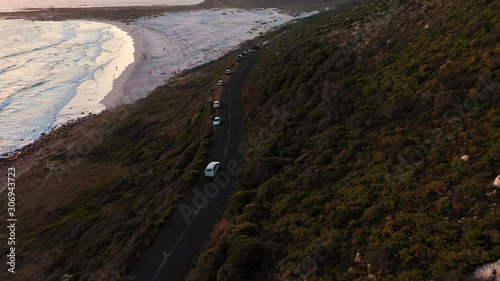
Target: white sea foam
{"points": [[51, 72], [109, 62]]}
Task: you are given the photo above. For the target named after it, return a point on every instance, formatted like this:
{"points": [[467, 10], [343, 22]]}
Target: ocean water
{"points": [[19, 4], [53, 72]]}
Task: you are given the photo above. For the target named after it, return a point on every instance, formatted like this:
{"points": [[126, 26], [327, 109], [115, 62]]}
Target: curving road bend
{"points": [[169, 256]]}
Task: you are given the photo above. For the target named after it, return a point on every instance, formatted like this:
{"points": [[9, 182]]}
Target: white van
{"points": [[212, 169]]}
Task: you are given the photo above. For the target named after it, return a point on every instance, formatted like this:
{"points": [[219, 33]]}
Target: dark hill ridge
{"points": [[133, 12], [356, 125], [293, 4]]}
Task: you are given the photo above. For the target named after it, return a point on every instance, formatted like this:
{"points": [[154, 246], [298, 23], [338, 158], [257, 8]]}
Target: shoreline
{"points": [[116, 95], [162, 49], [64, 83], [91, 92]]}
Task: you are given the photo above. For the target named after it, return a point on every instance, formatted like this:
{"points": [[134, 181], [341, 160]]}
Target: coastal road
{"points": [[169, 256]]}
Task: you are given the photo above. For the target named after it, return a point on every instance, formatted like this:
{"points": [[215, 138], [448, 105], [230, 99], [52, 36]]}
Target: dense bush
{"points": [[243, 258], [359, 125]]}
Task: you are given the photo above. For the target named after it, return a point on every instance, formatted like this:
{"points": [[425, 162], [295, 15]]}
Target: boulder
{"points": [[496, 182], [357, 259]]}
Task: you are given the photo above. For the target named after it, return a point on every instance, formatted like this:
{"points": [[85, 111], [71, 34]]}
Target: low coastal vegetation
{"points": [[356, 125], [372, 140]]}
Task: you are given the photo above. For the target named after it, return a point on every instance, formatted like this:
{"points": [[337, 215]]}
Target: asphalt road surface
{"points": [[169, 256]]}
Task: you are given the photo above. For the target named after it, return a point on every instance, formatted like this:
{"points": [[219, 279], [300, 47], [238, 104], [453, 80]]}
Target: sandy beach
{"points": [[168, 44], [135, 82]]}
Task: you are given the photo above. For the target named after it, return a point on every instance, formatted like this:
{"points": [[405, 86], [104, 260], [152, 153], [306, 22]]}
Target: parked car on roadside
{"points": [[220, 83], [217, 121], [228, 71], [216, 104]]}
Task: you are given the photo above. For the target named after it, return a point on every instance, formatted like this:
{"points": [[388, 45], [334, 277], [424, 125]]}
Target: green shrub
{"points": [[196, 117], [243, 258]]}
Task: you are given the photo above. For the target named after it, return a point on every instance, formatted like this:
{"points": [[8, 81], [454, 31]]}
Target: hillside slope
{"points": [[300, 5], [356, 125]]}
